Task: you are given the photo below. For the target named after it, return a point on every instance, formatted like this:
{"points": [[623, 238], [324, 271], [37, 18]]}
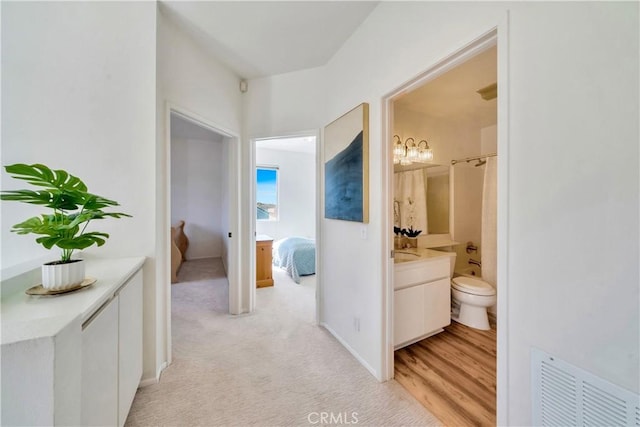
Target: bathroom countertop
{"points": [[422, 255]]}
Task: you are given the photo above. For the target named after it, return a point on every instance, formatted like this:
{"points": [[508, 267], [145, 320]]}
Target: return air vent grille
{"points": [[558, 397], [565, 395]]}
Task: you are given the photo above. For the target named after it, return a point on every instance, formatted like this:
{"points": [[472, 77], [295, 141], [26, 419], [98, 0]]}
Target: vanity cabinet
{"points": [[422, 300], [408, 305]]}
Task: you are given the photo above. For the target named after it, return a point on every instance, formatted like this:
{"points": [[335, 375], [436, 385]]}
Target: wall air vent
{"points": [[565, 395]]}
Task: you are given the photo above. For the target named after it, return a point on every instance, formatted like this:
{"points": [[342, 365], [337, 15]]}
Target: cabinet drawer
{"points": [[413, 273]]}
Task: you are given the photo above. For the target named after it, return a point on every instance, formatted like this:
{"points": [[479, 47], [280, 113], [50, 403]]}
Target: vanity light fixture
{"points": [[425, 154], [408, 152]]}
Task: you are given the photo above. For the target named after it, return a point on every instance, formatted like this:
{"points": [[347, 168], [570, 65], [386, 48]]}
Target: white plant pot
{"points": [[58, 276]]}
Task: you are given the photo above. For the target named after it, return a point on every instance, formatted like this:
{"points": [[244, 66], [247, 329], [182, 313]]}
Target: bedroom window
{"points": [[267, 193]]}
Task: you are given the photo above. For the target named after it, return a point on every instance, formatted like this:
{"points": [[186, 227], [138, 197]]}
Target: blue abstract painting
{"points": [[346, 171]]}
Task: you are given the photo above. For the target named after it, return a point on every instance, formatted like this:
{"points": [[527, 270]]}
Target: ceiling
{"points": [[262, 38], [306, 144], [184, 129], [453, 95]]}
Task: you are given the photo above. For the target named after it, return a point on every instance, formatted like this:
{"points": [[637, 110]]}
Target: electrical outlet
{"points": [[363, 232], [356, 324]]}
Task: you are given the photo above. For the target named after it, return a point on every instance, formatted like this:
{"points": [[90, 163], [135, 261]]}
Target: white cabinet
{"points": [[437, 297], [100, 367], [112, 357], [409, 307], [422, 300], [130, 344], [73, 359]]}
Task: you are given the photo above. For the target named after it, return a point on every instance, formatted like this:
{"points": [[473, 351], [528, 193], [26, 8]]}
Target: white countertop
{"points": [[422, 254], [26, 317]]}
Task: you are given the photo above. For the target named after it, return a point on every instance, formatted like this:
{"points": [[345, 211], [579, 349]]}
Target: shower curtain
{"points": [[410, 200], [489, 222]]}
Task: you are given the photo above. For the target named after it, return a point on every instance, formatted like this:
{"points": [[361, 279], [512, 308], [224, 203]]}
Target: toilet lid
{"points": [[472, 286]]}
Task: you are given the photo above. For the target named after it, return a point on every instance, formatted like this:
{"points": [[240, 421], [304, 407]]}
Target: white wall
{"points": [[587, 201], [448, 137], [94, 118], [79, 93], [572, 267], [297, 193], [489, 139], [196, 194], [286, 103]]}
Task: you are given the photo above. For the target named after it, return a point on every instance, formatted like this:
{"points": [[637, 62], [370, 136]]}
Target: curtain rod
{"points": [[470, 159]]}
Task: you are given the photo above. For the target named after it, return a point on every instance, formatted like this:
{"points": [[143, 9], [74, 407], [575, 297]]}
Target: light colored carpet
{"points": [[273, 367]]}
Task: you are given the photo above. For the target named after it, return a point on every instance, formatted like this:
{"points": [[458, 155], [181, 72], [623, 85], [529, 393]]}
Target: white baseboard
{"points": [[352, 351], [224, 265], [144, 382]]}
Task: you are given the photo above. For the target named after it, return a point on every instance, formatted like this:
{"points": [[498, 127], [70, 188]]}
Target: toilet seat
{"points": [[472, 286]]}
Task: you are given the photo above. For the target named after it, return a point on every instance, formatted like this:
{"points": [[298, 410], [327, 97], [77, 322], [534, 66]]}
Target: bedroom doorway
{"points": [[284, 188], [201, 200]]}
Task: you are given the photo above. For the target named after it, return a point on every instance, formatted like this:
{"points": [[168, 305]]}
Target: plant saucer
{"points": [[40, 290]]}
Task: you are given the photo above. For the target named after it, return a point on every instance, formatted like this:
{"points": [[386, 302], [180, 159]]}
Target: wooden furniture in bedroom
{"points": [[264, 275], [182, 242], [179, 245]]}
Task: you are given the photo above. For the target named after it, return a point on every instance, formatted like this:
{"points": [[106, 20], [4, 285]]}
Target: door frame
{"points": [[252, 222], [495, 36], [233, 267]]}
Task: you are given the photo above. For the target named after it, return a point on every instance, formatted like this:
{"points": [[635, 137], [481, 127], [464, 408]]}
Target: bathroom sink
{"points": [[405, 256]]}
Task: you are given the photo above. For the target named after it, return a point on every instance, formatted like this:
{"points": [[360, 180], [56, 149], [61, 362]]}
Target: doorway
{"points": [[212, 229], [284, 194], [448, 156]]}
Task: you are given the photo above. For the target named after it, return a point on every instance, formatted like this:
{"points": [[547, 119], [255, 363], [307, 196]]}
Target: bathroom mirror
{"points": [[409, 185]]}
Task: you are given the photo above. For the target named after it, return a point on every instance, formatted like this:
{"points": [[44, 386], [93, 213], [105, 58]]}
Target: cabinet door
{"points": [[437, 298], [409, 308], [100, 368], [130, 344]]}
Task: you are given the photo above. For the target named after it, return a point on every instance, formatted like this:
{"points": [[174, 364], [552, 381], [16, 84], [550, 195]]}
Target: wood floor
{"points": [[453, 374]]}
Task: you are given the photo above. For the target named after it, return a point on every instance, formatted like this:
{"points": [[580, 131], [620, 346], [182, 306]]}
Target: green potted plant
{"points": [[73, 208]]}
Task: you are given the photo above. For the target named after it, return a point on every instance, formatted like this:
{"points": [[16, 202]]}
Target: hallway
{"points": [[270, 368]]}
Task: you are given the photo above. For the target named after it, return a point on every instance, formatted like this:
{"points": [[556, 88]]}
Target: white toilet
{"points": [[470, 298]]}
